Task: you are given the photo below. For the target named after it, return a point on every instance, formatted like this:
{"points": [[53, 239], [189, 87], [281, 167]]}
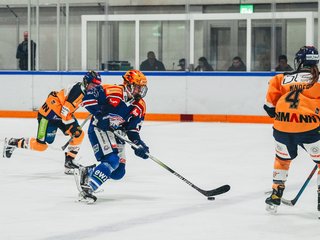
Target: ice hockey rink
{"points": [[39, 202]]}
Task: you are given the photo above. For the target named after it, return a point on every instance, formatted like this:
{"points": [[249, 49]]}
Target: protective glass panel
{"points": [[111, 45], [228, 41], [10, 35], [14, 36], [47, 45], [168, 43], [272, 39]]}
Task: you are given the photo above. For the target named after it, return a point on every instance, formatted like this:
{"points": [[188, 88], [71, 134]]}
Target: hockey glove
{"points": [[73, 129], [108, 122], [102, 123], [142, 149], [270, 110]]}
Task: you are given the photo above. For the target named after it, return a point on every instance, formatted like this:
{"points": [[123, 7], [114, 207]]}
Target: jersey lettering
{"points": [[45, 107]]}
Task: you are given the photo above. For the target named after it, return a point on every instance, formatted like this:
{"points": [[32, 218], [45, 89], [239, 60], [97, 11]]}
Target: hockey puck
{"points": [[211, 198]]}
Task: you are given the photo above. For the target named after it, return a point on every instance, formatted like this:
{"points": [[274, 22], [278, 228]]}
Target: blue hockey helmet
{"points": [[306, 56], [91, 77]]}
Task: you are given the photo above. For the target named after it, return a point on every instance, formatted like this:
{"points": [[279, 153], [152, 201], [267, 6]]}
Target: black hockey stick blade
{"points": [[289, 202], [216, 191]]}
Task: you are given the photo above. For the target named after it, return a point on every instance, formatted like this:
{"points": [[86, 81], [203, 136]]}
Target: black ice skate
{"points": [[275, 199], [81, 175], [9, 146], [87, 194], [69, 165]]}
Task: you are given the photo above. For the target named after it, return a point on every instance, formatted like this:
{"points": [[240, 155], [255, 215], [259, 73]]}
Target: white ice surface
{"points": [[38, 201]]}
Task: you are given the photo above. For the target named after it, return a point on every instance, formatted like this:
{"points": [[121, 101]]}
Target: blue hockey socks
{"points": [[100, 174]]}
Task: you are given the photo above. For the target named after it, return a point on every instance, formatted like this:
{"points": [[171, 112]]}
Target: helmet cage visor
{"points": [[136, 91]]}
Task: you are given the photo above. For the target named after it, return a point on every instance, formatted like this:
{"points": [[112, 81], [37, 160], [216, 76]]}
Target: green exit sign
{"points": [[246, 8]]}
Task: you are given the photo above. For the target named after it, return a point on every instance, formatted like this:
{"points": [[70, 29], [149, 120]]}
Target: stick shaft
{"points": [[163, 165], [294, 201], [306, 183]]}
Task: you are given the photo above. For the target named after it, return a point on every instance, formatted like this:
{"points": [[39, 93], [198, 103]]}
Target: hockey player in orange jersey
{"points": [[57, 112], [293, 100]]}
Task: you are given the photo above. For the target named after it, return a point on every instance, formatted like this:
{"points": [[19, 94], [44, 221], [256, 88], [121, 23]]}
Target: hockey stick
{"points": [[294, 201], [72, 137], [207, 193]]}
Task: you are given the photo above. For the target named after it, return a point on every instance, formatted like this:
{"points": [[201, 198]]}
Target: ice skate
{"points": [[69, 165], [81, 175], [275, 199], [86, 195], [9, 146]]}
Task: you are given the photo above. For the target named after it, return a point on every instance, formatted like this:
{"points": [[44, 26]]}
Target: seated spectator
{"points": [[283, 64], [151, 63], [203, 65], [237, 65], [182, 64]]}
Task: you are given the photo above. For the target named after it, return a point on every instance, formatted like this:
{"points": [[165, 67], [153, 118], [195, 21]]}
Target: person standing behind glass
{"points": [[237, 65], [151, 63], [22, 53], [283, 64], [203, 65]]}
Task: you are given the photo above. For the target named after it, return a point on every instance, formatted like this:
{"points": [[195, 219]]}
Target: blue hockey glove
{"points": [[102, 122], [142, 149], [270, 110], [110, 122]]}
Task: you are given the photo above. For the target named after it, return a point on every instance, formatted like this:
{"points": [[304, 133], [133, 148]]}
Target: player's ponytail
{"points": [[314, 70]]}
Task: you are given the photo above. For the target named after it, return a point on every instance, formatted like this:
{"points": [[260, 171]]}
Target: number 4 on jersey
{"points": [[293, 98]]}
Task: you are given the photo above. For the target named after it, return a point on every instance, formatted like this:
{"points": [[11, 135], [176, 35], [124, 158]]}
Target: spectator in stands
{"points": [[203, 65], [182, 64], [237, 65], [151, 63], [22, 53], [283, 64]]}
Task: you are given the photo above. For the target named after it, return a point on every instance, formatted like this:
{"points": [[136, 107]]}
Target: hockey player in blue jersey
{"points": [[118, 108]]}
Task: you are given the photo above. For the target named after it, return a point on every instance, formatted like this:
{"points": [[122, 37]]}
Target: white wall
{"points": [[240, 95]]}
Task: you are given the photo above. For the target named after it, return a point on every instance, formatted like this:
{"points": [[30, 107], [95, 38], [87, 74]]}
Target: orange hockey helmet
{"points": [[135, 83]]}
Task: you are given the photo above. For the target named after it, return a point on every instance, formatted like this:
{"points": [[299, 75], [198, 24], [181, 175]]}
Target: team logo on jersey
{"points": [[298, 118], [297, 78], [115, 120], [135, 112], [114, 101]]}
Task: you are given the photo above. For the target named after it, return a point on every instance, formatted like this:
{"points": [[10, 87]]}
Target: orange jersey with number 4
{"points": [[296, 102]]}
